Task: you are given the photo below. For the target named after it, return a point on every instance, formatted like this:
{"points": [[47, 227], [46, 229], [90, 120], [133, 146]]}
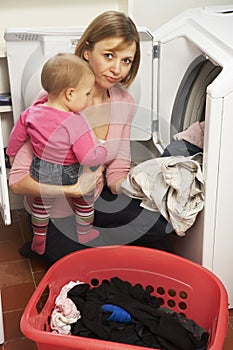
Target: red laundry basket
{"points": [[180, 284]]}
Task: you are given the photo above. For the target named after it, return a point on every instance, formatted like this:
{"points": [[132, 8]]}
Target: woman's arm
{"points": [[21, 182], [122, 112], [87, 182], [30, 187], [115, 187], [18, 135]]}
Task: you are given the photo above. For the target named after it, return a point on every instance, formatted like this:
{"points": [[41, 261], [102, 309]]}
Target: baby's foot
{"points": [[38, 244], [88, 236]]}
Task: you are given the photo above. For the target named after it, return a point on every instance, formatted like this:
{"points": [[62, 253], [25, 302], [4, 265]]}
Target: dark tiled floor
{"points": [[19, 277]]}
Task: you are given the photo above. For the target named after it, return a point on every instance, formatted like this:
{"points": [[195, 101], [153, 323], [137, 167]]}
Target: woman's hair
{"points": [[112, 24], [62, 71]]}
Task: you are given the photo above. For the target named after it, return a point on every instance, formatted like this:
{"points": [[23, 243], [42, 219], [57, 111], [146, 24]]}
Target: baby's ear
{"points": [[69, 93]]}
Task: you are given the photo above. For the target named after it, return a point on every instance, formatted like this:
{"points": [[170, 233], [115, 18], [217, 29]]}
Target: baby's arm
{"points": [[87, 148]]}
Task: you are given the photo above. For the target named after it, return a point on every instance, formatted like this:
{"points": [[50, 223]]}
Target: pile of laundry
{"points": [[173, 185], [117, 311]]}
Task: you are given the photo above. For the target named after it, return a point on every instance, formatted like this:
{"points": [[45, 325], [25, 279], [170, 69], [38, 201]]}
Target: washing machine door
{"points": [[27, 50], [193, 49], [181, 94]]}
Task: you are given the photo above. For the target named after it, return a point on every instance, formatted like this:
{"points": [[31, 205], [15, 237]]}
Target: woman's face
{"points": [[110, 65]]}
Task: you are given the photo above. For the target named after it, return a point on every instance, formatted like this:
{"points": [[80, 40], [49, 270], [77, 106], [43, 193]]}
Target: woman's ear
{"points": [[86, 51], [86, 55]]}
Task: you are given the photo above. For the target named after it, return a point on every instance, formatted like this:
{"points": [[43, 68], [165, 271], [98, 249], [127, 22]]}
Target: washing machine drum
{"points": [[189, 105]]}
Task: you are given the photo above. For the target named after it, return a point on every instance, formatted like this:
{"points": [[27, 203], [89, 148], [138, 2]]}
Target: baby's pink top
{"points": [[117, 144], [56, 136]]}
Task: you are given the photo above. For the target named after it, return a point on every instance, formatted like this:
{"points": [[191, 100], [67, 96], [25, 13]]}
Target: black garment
{"points": [[151, 325], [181, 148], [120, 220]]}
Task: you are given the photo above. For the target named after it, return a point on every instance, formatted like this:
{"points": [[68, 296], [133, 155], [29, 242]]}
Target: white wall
{"points": [[154, 13], [34, 13], [39, 13]]}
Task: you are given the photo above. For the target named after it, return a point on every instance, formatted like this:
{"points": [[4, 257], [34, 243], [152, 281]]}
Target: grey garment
{"points": [[174, 186]]}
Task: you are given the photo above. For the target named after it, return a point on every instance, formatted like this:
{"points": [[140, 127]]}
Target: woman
{"points": [[111, 46]]}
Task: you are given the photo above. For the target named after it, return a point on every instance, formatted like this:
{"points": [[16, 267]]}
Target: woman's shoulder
{"points": [[118, 93]]}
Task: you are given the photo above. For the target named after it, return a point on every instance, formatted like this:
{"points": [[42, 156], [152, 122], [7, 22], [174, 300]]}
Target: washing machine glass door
{"points": [[190, 101], [27, 51], [183, 75], [141, 90]]}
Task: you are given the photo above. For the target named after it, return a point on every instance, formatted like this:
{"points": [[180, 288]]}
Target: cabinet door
{"points": [[4, 197]]}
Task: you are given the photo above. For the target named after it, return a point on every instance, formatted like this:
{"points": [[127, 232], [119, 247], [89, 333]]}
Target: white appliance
{"points": [[186, 74]]}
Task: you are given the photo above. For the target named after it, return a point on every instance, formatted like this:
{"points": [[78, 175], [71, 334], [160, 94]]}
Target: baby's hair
{"points": [[62, 71]]}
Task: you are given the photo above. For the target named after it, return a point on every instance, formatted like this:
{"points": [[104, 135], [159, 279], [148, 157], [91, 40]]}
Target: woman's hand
{"points": [[115, 187], [86, 183]]}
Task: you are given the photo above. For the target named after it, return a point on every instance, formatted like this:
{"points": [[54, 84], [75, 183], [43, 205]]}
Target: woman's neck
{"points": [[99, 96], [98, 112]]}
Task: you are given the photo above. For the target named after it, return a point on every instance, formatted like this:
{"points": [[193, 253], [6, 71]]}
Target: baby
{"points": [[61, 140]]}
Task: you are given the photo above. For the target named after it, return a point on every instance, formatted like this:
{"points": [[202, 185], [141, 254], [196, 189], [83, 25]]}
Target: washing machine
{"points": [[185, 75]]}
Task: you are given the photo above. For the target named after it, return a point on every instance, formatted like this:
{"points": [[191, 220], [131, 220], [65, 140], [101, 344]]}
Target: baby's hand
{"points": [[11, 160]]}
